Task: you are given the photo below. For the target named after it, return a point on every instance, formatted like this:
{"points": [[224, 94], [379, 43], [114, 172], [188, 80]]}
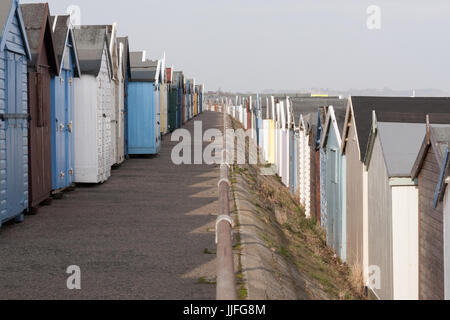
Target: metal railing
{"points": [[226, 280]]}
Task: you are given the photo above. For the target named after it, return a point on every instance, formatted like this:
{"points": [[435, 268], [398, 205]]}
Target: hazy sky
{"points": [[251, 45]]}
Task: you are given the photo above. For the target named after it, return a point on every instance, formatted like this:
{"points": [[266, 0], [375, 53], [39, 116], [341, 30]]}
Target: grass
{"points": [[207, 251], [302, 241], [203, 280], [242, 293]]}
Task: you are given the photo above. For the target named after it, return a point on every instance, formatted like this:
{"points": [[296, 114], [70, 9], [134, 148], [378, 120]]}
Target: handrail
{"points": [[226, 280]]}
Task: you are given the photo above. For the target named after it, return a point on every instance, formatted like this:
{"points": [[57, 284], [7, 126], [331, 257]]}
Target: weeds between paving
{"points": [[300, 241]]}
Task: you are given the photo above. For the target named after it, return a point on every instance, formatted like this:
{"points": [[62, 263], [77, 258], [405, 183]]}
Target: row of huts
{"points": [[373, 171], [74, 102]]}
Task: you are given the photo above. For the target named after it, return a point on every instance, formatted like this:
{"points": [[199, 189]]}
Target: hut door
{"points": [[70, 174], [16, 125], [59, 127], [333, 196]]}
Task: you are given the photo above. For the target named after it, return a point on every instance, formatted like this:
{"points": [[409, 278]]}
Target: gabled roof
{"points": [[443, 178], [437, 137], [309, 106], [335, 119], [400, 142], [62, 33], [143, 69], [91, 41], [36, 17], [8, 9], [111, 36], [389, 109], [126, 54]]}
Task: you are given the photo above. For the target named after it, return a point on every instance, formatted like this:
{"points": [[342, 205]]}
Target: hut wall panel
{"points": [[308, 170], [120, 115], [105, 102], [14, 136], [405, 239], [354, 201], [163, 108], [62, 114], [315, 184], [447, 244], [87, 126], [40, 160], [431, 264], [323, 190], [335, 194], [285, 156], [380, 222]]}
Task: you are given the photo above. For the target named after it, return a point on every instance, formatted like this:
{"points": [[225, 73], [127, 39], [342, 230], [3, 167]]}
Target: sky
{"points": [[257, 45]]}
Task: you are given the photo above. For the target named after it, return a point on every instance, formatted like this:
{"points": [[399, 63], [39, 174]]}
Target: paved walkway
{"points": [[141, 235]]}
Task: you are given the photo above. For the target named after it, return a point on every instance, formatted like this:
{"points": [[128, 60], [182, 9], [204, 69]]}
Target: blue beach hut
{"points": [[62, 103], [14, 56], [144, 134]]}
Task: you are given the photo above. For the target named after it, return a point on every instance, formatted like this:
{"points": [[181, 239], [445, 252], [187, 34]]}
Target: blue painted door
{"points": [[62, 124], [143, 129], [58, 138], [69, 112], [16, 127]]}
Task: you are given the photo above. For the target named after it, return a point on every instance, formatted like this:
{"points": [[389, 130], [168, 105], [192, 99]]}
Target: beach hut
{"points": [[178, 87], [124, 58], [144, 134], [93, 106], [248, 109], [334, 179], [311, 115], [62, 103], [191, 98], [285, 142], [293, 152], [183, 101], [14, 116], [42, 67], [172, 100], [201, 97], [163, 95], [116, 52], [393, 208], [355, 138], [430, 169], [187, 100], [195, 100]]}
